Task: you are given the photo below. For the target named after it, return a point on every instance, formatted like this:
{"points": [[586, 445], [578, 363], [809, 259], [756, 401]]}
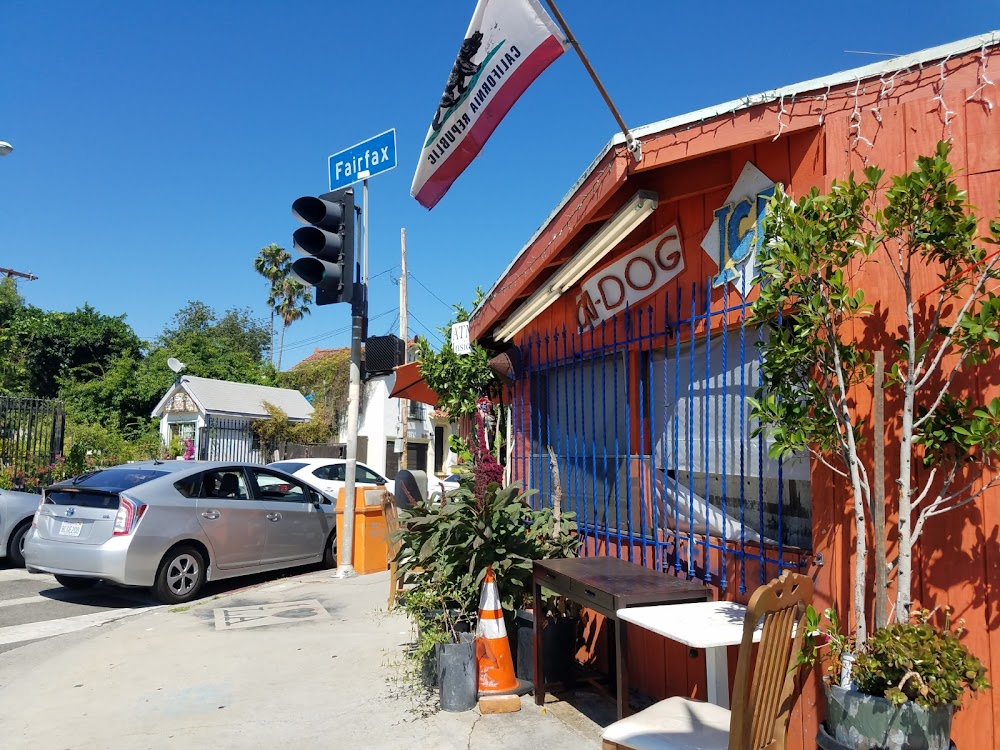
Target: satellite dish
{"points": [[175, 364]]}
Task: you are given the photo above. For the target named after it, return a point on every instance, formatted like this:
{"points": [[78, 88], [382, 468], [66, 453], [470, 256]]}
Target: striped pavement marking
{"points": [[19, 574], [48, 628]]}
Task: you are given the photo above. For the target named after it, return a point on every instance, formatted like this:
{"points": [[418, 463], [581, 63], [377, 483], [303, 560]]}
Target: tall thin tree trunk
{"points": [[281, 346], [878, 499], [904, 578], [903, 532], [271, 350]]}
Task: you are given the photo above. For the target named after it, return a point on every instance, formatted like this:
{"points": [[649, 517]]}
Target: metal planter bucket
{"points": [[867, 722], [457, 674]]}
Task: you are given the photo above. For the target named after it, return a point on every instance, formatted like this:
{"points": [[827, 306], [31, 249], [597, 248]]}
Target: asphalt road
{"points": [[34, 607]]}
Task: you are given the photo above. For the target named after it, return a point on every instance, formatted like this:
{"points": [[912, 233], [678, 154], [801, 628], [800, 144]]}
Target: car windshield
{"points": [[289, 467]]}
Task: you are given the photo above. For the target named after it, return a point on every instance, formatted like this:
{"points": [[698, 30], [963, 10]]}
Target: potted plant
{"points": [[443, 654], [446, 547], [897, 692], [845, 381]]}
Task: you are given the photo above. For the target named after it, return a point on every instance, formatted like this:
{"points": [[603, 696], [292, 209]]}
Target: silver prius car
{"points": [[173, 525]]}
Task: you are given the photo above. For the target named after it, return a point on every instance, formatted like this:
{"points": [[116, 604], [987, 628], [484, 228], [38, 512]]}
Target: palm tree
{"points": [[294, 305], [273, 263]]}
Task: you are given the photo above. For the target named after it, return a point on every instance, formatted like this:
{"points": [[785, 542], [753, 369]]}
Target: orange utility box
{"points": [[371, 544]]}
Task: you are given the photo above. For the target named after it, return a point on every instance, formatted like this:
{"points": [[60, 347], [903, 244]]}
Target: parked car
{"points": [[328, 474], [16, 512], [173, 525]]}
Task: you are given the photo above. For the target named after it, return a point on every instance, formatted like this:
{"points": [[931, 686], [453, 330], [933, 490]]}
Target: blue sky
{"points": [[158, 146]]}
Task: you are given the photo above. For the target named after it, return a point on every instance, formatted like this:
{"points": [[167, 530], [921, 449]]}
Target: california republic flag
{"points": [[508, 44]]}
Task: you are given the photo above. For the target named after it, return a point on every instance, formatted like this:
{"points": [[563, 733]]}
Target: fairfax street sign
{"points": [[363, 160]]}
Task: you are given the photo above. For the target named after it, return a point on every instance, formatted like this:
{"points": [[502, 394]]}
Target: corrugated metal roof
{"points": [[239, 399]]}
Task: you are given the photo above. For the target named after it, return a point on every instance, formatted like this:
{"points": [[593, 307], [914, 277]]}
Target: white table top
{"points": [[696, 624]]}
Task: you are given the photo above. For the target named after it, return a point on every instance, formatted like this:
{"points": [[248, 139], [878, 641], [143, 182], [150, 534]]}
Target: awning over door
{"points": [[411, 385]]}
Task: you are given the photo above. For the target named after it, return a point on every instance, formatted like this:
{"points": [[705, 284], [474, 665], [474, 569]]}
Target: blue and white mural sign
{"points": [[736, 232]]}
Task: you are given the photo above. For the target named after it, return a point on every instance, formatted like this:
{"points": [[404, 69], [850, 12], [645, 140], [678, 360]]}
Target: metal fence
{"points": [[32, 431], [648, 421], [230, 439]]}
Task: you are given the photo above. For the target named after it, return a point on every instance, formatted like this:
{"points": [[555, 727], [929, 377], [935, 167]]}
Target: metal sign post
{"points": [[359, 162]]}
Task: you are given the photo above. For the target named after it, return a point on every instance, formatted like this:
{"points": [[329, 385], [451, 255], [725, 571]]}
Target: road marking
{"points": [[71, 595], [233, 618], [17, 574], [47, 628]]}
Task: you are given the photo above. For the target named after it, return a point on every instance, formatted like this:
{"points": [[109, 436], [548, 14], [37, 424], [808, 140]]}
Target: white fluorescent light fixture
{"points": [[605, 239]]}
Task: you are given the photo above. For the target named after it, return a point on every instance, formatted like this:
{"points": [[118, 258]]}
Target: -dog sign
{"points": [[363, 160], [630, 279]]}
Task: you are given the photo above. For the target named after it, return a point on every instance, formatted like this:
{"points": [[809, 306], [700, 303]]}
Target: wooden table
{"points": [[712, 626], [606, 585]]}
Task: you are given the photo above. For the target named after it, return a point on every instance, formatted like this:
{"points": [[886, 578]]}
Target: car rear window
{"points": [[115, 479], [288, 466]]}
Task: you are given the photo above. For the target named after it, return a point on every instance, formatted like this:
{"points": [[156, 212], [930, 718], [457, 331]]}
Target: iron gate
{"points": [[648, 420], [32, 432]]}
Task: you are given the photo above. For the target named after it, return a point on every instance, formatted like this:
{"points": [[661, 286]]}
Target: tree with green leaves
{"points": [[459, 380], [120, 395], [293, 306], [273, 263], [816, 317], [326, 380]]}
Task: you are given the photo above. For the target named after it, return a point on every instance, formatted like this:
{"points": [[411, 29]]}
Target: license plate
{"points": [[70, 528]]}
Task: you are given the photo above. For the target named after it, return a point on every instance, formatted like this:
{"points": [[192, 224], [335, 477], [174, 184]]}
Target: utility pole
{"points": [[10, 273], [404, 404]]}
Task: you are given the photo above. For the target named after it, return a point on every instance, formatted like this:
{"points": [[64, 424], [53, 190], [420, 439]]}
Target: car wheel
{"points": [[181, 575], [75, 582], [330, 551], [15, 548]]}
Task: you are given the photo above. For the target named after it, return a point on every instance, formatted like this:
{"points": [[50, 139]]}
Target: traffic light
{"points": [[329, 240]]}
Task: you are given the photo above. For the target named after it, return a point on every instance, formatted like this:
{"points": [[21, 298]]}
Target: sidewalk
{"points": [[297, 676]]}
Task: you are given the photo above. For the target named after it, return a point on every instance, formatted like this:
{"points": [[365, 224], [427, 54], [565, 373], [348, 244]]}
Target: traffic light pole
{"points": [[359, 311], [345, 568]]}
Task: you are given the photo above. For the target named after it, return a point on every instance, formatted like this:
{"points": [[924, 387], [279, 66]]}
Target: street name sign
{"points": [[363, 160]]}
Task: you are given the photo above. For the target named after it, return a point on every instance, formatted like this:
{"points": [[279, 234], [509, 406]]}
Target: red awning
{"points": [[411, 385]]}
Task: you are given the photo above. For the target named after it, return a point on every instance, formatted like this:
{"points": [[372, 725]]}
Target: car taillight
{"points": [[38, 511], [129, 513]]}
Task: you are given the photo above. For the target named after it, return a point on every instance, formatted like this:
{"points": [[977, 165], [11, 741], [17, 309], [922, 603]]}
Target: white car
{"points": [[328, 474]]}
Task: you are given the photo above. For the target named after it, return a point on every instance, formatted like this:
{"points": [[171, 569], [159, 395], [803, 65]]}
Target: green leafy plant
{"points": [[459, 380], [454, 542], [816, 317], [910, 661]]}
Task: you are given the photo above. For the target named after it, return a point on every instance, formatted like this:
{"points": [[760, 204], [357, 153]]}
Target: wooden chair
{"points": [[761, 705], [391, 527]]}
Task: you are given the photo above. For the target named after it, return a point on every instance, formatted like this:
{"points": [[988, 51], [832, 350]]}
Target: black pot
{"points": [[457, 675], [868, 722], [558, 650]]}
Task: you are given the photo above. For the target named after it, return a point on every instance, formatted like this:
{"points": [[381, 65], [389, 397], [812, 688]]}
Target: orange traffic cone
{"points": [[496, 667]]}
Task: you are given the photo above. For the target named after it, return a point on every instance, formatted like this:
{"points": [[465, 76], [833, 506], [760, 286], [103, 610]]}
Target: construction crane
{"points": [[10, 273]]}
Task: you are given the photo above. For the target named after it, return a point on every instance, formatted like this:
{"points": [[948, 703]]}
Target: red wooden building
{"points": [[628, 311]]}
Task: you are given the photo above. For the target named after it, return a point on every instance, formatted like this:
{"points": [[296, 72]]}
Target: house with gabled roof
{"points": [[216, 415]]}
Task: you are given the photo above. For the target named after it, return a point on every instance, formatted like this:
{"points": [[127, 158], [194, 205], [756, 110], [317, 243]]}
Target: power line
{"points": [[328, 334], [426, 328], [413, 276]]}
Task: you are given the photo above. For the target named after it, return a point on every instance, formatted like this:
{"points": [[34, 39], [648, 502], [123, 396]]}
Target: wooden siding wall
{"points": [[957, 561]]}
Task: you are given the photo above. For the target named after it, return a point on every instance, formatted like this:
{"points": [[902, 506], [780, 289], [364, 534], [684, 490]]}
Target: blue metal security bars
{"points": [[649, 422]]}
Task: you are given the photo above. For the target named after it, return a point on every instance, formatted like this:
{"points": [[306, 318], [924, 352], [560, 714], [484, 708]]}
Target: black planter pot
{"points": [[558, 650], [456, 671], [868, 722]]}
